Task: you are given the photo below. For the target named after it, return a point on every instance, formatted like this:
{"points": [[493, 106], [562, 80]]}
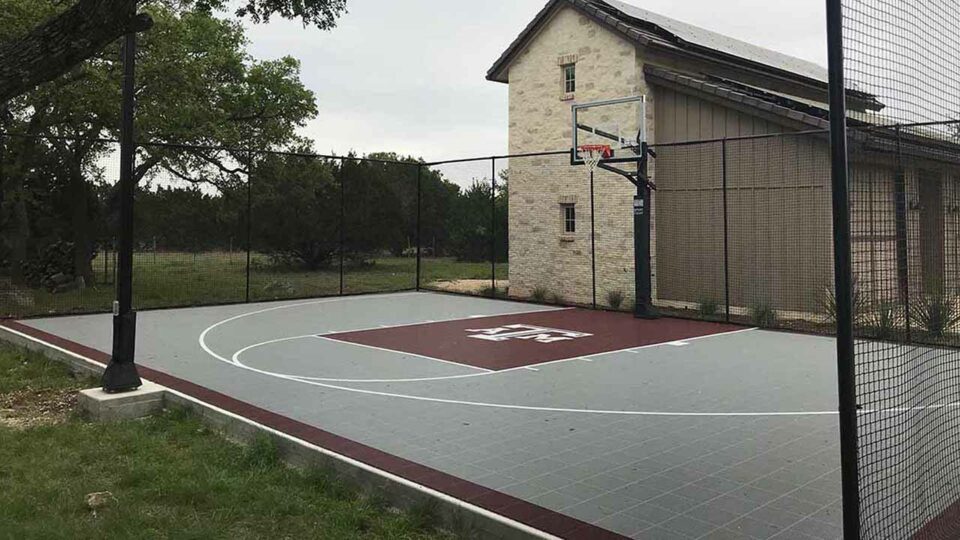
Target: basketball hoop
{"points": [[593, 154]]}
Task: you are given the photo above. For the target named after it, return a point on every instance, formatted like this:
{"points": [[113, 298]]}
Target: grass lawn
{"points": [[181, 279], [167, 476]]}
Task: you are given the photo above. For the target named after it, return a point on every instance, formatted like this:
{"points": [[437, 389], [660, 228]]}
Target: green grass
{"points": [[170, 477], [179, 279]]}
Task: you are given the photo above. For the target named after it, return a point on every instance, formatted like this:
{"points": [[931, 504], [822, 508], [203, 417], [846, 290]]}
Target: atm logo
{"points": [[526, 332]]}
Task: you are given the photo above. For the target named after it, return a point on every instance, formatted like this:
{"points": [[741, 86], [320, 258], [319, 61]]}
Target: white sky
{"points": [[408, 75]]}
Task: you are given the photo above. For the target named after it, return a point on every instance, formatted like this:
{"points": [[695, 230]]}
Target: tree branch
{"points": [[65, 41]]}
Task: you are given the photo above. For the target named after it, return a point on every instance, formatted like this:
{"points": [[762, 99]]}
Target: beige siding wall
{"points": [[683, 117], [778, 209]]}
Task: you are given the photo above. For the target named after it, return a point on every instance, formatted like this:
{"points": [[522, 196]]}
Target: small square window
{"points": [[570, 78], [569, 218]]}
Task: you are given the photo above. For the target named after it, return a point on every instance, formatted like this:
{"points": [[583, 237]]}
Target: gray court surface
{"points": [[727, 436]]}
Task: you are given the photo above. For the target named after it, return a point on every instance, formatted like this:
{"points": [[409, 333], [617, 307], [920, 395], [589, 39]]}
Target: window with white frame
{"points": [[569, 218], [569, 78]]}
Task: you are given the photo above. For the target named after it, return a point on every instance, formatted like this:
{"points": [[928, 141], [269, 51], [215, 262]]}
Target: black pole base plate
{"points": [[121, 377], [646, 312]]}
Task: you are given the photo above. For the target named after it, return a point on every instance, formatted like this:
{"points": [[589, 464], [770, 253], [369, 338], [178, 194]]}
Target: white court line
{"points": [[508, 406], [353, 462], [392, 351], [236, 360], [203, 345]]}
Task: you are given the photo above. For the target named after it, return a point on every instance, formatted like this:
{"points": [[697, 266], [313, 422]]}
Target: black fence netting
{"points": [[56, 215], [752, 216], [902, 71], [464, 227], [379, 225]]}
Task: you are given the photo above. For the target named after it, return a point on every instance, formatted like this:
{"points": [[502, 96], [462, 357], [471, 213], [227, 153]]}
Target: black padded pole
{"points": [[121, 374], [843, 270]]}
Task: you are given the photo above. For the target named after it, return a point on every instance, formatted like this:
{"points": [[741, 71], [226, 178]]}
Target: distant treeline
{"points": [[297, 210]]}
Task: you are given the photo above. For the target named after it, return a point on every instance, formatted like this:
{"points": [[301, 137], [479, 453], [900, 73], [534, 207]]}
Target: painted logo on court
{"points": [[526, 332]]}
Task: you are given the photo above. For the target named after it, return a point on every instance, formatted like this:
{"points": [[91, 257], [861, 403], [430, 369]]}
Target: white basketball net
{"points": [[592, 155]]}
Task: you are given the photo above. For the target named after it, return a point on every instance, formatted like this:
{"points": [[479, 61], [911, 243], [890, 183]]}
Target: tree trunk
{"points": [[63, 42], [14, 202], [80, 222]]}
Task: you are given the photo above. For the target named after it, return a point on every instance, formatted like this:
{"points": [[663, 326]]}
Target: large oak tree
{"points": [[71, 35], [196, 87]]}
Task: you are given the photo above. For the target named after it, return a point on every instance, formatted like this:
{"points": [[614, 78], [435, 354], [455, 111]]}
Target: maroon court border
{"points": [[521, 511], [608, 332]]}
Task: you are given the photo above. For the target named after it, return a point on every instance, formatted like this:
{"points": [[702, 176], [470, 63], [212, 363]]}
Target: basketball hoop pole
{"points": [[643, 307]]}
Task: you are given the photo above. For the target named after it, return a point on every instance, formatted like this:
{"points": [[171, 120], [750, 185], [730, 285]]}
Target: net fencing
{"points": [[902, 75], [739, 230]]}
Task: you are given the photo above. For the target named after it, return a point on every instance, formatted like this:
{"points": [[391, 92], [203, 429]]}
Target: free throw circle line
{"points": [[235, 359], [211, 352]]}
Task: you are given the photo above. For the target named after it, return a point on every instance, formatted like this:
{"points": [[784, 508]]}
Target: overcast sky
{"points": [[408, 75]]}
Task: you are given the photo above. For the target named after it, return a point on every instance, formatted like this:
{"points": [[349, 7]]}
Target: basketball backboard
{"points": [[619, 123]]}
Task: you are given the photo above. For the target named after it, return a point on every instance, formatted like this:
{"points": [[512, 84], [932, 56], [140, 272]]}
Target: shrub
{"points": [[539, 294], [763, 315], [709, 308], [490, 292], [936, 313], [557, 298], [615, 299], [884, 320], [860, 304]]}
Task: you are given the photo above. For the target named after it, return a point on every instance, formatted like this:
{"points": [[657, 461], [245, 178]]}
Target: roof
{"points": [[717, 42], [645, 27], [803, 111]]}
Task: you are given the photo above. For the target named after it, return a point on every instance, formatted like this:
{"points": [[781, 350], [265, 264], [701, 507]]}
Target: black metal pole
{"points": [[726, 235], [419, 217], [593, 242], [493, 228], [249, 220], [121, 374], [642, 269], [846, 370], [343, 224], [900, 217]]}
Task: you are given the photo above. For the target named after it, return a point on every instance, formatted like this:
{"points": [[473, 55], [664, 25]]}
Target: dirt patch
{"points": [[468, 286], [29, 408]]}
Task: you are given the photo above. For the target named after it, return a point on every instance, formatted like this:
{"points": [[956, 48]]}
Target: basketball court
{"points": [[575, 422]]}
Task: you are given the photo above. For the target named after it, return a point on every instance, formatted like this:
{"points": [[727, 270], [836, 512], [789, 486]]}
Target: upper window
{"points": [[570, 78], [569, 218]]}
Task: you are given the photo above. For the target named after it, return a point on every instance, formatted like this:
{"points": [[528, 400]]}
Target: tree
{"points": [[478, 222], [71, 35], [196, 86], [295, 211]]}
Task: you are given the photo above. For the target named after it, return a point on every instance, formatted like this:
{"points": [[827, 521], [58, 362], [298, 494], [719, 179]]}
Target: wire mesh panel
{"points": [[779, 230], [691, 230], [379, 224], [460, 212], [55, 217], [902, 72], [189, 241], [294, 227]]}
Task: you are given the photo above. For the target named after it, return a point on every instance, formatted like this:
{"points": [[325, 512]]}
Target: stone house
{"points": [[752, 216]]}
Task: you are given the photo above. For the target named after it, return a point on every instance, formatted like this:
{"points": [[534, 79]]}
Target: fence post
{"points": [[249, 222], [900, 215], [493, 227], [726, 233], [593, 242], [843, 270], [343, 222], [419, 218]]}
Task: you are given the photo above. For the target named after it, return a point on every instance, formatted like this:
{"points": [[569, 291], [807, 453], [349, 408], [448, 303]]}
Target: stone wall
{"points": [[541, 255]]}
